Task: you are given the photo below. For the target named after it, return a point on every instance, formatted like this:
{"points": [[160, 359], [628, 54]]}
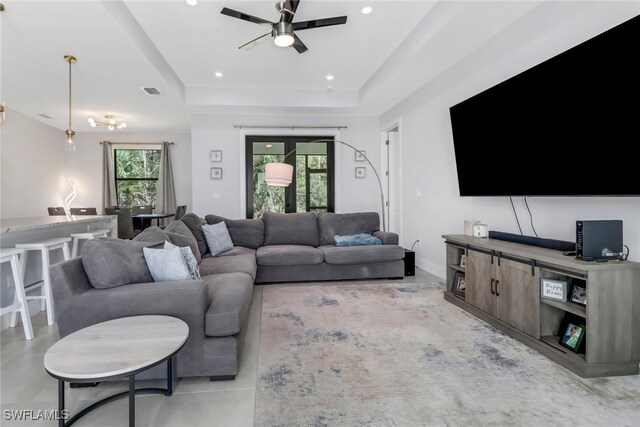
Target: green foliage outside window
{"points": [[137, 174]]}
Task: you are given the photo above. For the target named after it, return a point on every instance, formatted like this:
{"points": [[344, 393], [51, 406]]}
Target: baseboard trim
{"points": [[431, 267]]}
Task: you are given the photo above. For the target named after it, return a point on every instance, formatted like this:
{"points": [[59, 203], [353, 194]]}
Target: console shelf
{"points": [[503, 288]]}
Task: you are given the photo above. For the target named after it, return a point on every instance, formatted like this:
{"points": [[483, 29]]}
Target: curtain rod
{"points": [[137, 143], [287, 127]]}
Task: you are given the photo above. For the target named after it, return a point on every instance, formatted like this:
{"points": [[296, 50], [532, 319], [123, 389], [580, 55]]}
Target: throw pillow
{"points": [[189, 258], [180, 235], [154, 236], [217, 237], [360, 239], [166, 265]]}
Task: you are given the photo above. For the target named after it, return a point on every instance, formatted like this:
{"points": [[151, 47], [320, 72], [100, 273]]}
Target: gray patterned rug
{"points": [[399, 355]]}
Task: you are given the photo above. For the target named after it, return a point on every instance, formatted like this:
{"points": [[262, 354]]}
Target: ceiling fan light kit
{"points": [[283, 31]]}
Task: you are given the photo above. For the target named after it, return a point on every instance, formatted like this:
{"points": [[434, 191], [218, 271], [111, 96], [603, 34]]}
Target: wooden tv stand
{"points": [[503, 288]]}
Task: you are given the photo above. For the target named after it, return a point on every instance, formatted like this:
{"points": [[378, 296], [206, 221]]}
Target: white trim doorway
{"points": [[391, 166]]}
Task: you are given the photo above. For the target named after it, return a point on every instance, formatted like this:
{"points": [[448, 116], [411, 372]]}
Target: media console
{"points": [[502, 282]]}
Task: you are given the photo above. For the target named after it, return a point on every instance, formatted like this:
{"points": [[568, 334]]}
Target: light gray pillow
{"points": [[189, 258], [218, 238], [166, 265]]}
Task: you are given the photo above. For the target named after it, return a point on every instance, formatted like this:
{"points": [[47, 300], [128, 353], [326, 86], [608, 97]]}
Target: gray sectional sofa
{"points": [[111, 279]]}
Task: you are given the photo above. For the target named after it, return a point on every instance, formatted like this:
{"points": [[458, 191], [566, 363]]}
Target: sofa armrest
{"points": [[387, 237], [186, 300]]}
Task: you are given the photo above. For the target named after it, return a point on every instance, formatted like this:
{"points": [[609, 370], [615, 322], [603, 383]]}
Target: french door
{"points": [[312, 186]]}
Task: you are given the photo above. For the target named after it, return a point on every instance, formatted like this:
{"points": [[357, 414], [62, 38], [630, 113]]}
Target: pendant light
{"points": [[70, 143]]}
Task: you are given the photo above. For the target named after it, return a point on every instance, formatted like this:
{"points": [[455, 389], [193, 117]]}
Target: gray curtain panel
{"points": [[166, 199], [108, 176]]}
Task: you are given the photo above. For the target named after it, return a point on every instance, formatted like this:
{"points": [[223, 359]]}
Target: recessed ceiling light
{"points": [[219, 74], [367, 10], [330, 77], [192, 2], [269, 145]]}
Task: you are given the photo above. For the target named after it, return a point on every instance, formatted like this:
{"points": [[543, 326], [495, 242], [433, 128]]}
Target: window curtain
{"points": [[108, 176], [166, 197]]}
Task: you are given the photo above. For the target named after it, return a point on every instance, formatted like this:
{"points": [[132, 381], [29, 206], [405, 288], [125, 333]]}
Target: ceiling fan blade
{"points": [[298, 45], [249, 18], [317, 23], [255, 42]]}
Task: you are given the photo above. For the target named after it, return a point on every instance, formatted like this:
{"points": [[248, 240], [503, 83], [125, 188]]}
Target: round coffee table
{"points": [[115, 349]]}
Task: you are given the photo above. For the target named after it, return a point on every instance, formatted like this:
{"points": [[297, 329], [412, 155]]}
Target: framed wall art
{"points": [[216, 155], [216, 173]]}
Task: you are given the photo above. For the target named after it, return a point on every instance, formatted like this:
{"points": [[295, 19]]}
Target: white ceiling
{"points": [[122, 45]]}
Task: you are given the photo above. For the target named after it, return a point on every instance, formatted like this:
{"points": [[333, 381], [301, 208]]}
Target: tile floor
{"points": [[24, 384]]}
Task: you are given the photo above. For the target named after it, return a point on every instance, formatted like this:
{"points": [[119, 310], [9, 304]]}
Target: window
{"points": [[312, 186], [136, 174]]}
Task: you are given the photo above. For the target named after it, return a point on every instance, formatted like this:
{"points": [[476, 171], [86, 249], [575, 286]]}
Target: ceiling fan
{"points": [[283, 31]]}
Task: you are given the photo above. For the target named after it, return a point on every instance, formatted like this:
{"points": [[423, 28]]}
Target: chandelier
{"points": [[109, 122], [70, 145]]}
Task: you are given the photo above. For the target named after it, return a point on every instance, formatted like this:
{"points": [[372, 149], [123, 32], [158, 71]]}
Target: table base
{"points": [[131, 393]]}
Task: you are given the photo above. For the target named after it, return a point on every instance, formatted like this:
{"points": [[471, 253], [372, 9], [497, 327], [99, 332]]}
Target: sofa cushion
{"points": [[111, 262], [332, 224], [288, 255], [361, 254], [166, 265], [180, 235], [239, 250], [229, 264], [154, 236], [291, 229], [244, 232], [217, 237], [195, 223], [230, 298]]}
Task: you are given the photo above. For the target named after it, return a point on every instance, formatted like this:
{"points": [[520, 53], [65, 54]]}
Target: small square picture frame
{"points": [[463, 261], [361, 172], [360, 155], [459, 284], [216, 173], [579, 295], [216, 156], [572, 336]]}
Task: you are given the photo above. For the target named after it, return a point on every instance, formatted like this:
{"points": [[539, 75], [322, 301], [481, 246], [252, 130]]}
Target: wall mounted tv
{"points": [[569, 126]]}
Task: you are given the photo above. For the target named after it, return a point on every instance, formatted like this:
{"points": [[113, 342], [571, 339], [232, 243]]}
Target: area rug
{"points": [[399, 355]]}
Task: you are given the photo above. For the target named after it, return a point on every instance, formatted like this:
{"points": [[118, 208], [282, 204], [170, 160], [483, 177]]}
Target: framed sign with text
{"points": [[555, 290]]}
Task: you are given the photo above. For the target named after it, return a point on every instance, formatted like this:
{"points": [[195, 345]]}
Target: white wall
{"points": [[428, 156], [84, 166], [226, 196], [32, 166]]}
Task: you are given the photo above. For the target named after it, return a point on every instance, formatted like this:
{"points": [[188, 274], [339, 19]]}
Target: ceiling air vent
{"points": [[152, 91]]}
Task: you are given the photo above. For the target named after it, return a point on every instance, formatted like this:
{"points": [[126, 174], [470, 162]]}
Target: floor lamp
{"points": [[281, 174]]}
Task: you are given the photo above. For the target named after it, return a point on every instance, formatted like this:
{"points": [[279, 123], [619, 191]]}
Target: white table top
{"points": [[116, 347], [8, 225]]}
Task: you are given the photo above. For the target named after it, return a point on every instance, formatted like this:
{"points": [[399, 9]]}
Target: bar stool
{"points": [[86, 236], [44, 247], [16, 258]]}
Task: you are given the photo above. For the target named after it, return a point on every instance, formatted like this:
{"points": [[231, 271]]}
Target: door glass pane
{"points": [[311, 177], [318, 192], [266, 198]]}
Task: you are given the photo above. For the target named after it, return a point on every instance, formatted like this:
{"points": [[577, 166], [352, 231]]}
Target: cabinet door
{"points": [[479, 281], [517, 296]]}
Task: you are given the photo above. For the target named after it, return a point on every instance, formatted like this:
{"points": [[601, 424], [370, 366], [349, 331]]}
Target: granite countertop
{"points": [[8, 225]]}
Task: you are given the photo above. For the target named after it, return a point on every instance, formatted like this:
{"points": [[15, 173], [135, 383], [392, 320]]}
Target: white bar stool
{"points": [[86, 236], [16, 258], [44, 247]]}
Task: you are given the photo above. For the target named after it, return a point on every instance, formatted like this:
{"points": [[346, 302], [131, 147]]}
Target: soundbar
{"points": [[558, 245]]}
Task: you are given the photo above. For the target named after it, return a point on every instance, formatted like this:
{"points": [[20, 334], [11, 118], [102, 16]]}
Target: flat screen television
{"points": [[569, 126]]}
